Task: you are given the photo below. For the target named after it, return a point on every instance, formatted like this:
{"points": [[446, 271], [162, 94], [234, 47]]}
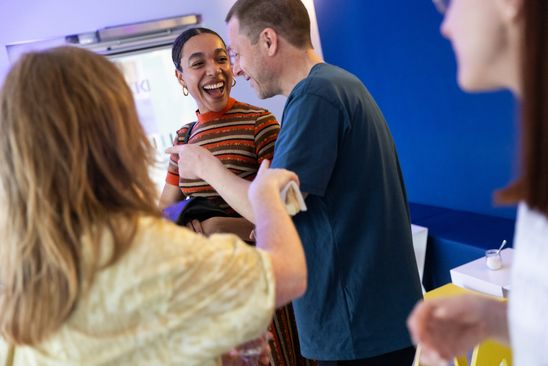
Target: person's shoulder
{"points": [[245, 110], [325, 81], [158, 248], [531, 220], [327, 76], [183, 130], [161, 239]]}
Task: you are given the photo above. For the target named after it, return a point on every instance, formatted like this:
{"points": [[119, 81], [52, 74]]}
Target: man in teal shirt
{"points": [[362, 276]]}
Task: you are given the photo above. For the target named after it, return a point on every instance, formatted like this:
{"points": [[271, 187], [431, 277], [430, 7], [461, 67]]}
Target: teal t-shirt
{"points": [[362, 276]]}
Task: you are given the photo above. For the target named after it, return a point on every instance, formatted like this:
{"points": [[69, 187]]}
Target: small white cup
{"points": [[493, 259]]}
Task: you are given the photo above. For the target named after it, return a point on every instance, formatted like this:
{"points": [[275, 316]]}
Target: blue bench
{"points": [[456, 237]]}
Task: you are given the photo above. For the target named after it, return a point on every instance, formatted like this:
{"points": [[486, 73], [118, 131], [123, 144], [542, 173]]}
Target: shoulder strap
{"points": [[189, 131]]}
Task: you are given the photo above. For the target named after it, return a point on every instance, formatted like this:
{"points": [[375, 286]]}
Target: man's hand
{"points": [[193, 160]]}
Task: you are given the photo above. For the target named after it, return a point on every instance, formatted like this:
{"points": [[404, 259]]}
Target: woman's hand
{"points": [[448, 327]]}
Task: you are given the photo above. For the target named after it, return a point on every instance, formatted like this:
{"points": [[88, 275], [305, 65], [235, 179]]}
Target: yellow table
{"points": [[488, 353]]}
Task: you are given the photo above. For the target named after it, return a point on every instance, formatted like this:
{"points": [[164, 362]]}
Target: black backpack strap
{"points": [[188, 132]]}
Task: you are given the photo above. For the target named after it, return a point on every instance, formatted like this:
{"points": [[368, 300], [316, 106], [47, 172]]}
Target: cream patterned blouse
{"points": [[175, 298]]}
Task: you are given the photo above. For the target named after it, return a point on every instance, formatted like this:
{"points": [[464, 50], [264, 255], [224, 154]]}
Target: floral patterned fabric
{"points": [[175, 298]]}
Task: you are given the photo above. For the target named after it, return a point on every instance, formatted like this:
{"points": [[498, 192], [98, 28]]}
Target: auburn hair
{"points": [[532, 184], [74, 166]]}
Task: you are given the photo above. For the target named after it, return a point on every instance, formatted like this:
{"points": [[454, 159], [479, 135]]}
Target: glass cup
{"points": [[493, 259]]}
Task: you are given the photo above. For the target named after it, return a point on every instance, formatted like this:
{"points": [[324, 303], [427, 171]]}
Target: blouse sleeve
{"points": [[223, 298]]}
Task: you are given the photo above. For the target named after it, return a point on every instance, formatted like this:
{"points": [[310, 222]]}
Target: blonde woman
{"points": [[89, 271]]}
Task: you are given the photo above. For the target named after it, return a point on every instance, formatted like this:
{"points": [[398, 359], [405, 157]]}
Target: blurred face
{"points": [[206, 72], [249, 61], [479, 38]]}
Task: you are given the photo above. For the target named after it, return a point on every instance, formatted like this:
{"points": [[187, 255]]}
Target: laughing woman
{"points": [[240, 135]]}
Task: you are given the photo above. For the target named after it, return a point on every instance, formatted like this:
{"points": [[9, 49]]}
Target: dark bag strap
{"points": [[188, 132], [174, 211], [199, 208]]}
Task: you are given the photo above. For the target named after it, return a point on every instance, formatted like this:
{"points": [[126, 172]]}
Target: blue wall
{"points": [[455, 149]]}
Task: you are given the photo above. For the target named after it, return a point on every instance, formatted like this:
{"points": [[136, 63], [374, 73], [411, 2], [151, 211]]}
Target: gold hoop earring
{"points": [[185, 91], [233, 82]]}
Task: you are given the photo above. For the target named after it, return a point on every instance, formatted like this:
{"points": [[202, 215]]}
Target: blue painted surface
{"points": [[455, 149], [457, 237]]}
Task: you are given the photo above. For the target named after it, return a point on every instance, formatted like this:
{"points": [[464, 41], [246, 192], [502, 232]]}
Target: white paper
{"points": [[293, 208]]}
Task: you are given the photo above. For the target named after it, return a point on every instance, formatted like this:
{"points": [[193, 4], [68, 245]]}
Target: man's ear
{"points": [[269, 41], [179, 76]]}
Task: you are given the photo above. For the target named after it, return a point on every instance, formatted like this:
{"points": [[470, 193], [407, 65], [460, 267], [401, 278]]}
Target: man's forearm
{"points": [[230, 187]]}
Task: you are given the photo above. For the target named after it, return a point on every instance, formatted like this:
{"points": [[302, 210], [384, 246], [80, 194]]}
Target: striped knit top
{"points": [[241, 136]]}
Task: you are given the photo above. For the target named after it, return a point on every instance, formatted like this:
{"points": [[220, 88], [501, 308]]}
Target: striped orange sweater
{"points": [[241, 136]]}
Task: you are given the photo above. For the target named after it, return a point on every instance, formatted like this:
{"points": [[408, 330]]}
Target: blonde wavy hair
{"points": [[74, 163]]}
